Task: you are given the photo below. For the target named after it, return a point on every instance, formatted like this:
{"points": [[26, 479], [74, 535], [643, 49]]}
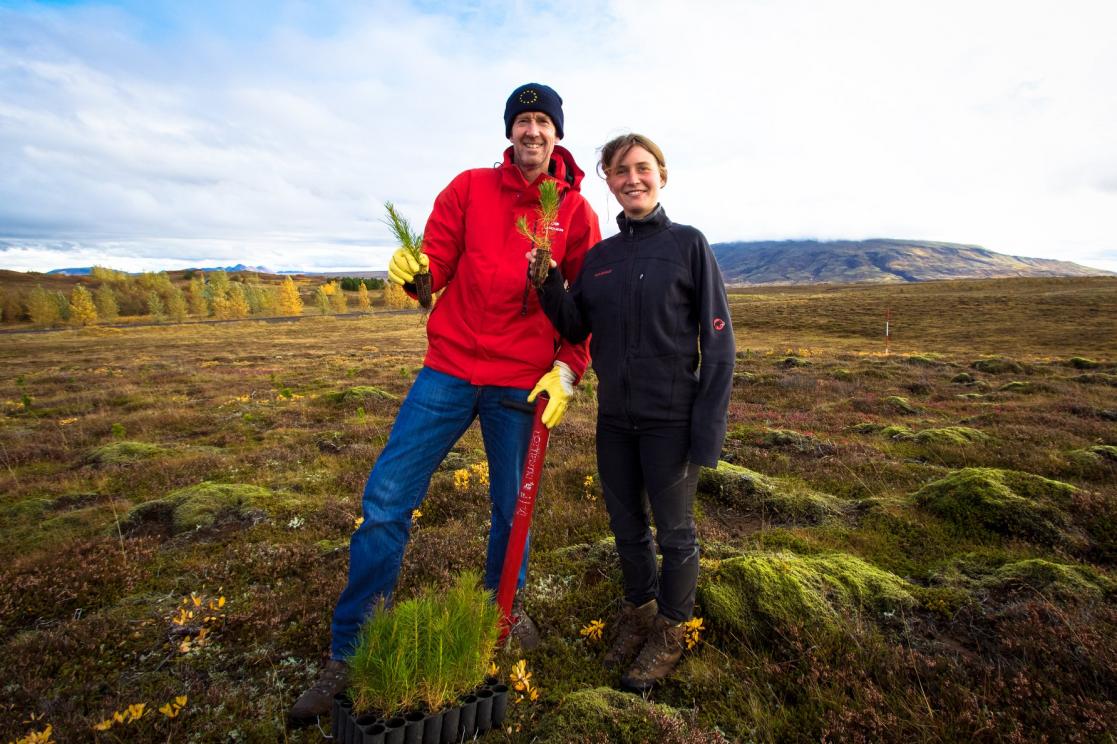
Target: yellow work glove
{"points": [[402, 268], [559, 386]]}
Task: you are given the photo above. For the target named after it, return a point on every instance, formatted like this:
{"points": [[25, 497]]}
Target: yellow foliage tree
{"points": [[363, 301], [176, 304], [238, 303], [396, 298], [82, 310], [290, 303], [337, 298], [105, 299], [197, 296], [41, 307]]}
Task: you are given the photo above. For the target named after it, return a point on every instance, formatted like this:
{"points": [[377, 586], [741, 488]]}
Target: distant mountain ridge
{"points": [[877, 260], [87, 270]]}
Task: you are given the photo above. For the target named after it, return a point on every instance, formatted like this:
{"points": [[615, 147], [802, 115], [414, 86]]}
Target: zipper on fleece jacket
{"points": [[626, 310]]}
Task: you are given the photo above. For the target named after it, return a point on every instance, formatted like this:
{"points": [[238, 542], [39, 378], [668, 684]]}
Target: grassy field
{"points": [[917, 545]]}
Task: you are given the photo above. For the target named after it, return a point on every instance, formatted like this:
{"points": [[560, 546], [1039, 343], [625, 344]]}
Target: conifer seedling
{"points": [[413, 244], [540, 234]]}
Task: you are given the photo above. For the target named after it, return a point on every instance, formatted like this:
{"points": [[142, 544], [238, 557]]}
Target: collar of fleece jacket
{"points": [[636, 229]]}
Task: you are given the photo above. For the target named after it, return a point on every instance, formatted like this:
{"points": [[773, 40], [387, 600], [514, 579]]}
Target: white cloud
{"points": [[152, 133]]}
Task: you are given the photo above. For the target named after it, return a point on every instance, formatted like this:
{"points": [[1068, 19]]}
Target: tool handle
{"points": [[521, 519]]}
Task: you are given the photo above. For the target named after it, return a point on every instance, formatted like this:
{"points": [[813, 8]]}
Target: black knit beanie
{"points": [[533, 97]]}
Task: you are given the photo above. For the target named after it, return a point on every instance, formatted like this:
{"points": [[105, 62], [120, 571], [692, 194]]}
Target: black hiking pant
{"points": [[645, 474]]}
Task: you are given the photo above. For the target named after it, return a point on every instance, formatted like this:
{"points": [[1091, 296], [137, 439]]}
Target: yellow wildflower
{"points": [[461, 479], [358, 521], [415, 514], [173, 708], [481, 470], [520, 676], [694, 627], [38, 737], [592, 631], [66, 421], [494, 670]]}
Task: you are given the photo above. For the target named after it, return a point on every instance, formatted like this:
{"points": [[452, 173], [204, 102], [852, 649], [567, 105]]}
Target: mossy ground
{"points": [[869, 612]]}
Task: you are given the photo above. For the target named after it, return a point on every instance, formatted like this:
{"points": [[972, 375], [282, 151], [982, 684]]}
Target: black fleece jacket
{"points": [[662, 343]]}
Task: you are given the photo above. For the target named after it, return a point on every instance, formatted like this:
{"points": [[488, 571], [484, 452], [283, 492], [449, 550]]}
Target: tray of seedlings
{"points": [[418, 674]]}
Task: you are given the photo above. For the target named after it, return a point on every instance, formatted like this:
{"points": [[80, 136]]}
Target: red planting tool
{"points": [[525, 504]]}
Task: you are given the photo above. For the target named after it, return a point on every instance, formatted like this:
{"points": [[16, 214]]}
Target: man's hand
{"points": [[530, 256], [559, 385], [402, 268]]}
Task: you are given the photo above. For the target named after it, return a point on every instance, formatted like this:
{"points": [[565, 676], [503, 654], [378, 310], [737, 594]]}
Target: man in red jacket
{"points": [[488, 342]]}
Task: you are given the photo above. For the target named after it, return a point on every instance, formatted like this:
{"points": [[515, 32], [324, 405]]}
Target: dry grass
{"points": [[84, 622]]}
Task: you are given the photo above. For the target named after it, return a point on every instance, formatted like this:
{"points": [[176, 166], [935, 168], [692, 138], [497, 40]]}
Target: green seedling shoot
{"points": [[412, 242], [539, 233]]}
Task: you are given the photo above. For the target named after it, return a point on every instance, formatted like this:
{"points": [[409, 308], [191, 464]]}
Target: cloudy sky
{"points": [[159, 134]]}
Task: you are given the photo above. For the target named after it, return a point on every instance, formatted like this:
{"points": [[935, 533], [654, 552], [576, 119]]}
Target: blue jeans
{"points": [[437, 411]]}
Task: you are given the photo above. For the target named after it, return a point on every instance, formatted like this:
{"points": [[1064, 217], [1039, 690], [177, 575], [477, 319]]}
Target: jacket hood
{"points": [[563, 168]]}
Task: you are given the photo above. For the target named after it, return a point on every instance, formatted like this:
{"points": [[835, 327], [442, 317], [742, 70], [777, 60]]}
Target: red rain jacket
{"points": [[477, 330]]}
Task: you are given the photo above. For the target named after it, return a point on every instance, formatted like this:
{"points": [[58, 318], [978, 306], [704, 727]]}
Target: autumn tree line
{"points": [[111, 294]]}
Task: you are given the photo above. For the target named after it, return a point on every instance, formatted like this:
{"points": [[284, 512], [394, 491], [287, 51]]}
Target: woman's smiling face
{"points": [[635, 179]]}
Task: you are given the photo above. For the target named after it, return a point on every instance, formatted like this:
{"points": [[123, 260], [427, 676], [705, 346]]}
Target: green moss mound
{"points": [[1105, 451], [900, 404], [359, 393], [957, 435], [794, 361], [1066, 581], [775, 498], [1016, 386], [962, 378], [1083, 363], [760, 594], [998, 366], [895, 431], [1094, 457], [983, 576], [922, 360], [1097, 378], [602, 714], [204, 505], [786, 438], [1007, 502], [123, 452]]}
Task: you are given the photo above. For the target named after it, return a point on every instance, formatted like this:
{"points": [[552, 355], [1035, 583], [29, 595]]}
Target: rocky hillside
{"points": [[878, 260]]}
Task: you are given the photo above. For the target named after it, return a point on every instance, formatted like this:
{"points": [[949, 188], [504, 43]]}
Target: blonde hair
{"points": [[618, 147]]}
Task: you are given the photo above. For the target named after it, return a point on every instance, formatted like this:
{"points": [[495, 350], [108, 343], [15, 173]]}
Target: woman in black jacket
{"points": [[663, 349]]}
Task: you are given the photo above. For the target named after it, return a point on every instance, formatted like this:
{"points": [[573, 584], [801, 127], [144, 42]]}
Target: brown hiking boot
{"points": [[524, 632], [319, 699], [659, 656], [633, 626]]}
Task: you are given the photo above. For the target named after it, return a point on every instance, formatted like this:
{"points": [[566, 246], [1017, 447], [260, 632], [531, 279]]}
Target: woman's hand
{"points": [[530, 256]]}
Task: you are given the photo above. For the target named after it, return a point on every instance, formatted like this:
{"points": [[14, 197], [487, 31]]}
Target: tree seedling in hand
{"points": [[413, 244]]}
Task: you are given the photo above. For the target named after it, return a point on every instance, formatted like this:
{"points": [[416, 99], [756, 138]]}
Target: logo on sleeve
{"points": [[719, 324]]}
